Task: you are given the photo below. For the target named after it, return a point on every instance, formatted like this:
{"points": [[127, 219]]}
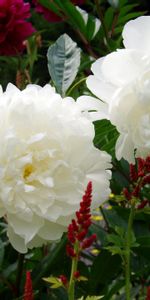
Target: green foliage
{"points": [[54, 281], [68, 68], [91, 298]]}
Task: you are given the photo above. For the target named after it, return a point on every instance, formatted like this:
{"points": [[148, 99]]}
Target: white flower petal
{"points": [[125, 148], [89, 104], [136, 34], [51, 231], [23, 228], [16, 240]]}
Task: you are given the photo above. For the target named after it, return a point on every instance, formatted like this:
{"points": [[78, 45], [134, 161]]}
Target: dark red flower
{"points": [[14, 28], [49, 15]]}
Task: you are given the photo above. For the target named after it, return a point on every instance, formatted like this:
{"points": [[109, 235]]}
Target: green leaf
{"points": [[115, 239], [108, 17], [117, 216], [128, 17], [74, 18], [56, 283], [2, 250], [91, 298], [63, 62], [101, 273], [114, 3], [105, 136], [90, 28], [82, 278], [100, 233], [116, 286], [92, 24], [115, 250], [48, 264], [50, 6], [126, 9], [144, 241]]}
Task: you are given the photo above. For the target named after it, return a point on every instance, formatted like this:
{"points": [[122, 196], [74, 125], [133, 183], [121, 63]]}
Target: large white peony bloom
{"points": [[47, 157], [122, 81]]}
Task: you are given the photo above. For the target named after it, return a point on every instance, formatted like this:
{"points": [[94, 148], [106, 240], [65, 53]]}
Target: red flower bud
{"points": [[63, 279], [136, 191], [133, 173], [126, 194], [70, 251], [89, 241], [143, 204], [81, 235], [76, 274]]}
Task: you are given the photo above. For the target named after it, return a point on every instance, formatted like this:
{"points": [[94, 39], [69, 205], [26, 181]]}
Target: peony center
{"points": [[28, 170]]}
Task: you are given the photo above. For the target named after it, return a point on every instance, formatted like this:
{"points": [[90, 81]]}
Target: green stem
{"points": [[101, 18], [19, 272], [75, 85], [73, 270], [128, 253]]}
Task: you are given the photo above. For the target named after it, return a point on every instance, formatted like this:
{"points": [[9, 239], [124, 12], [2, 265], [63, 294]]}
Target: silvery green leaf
{"points": [[63, 62]]}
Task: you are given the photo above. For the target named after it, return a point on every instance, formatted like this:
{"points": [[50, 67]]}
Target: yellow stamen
{"points": [[27, 171]]}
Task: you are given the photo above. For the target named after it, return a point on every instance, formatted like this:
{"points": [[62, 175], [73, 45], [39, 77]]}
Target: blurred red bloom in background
{"points": [[14, 28], [28, 290], [50, 15]]}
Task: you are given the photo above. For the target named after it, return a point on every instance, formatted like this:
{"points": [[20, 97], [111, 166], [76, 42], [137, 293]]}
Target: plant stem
{"points": [[19, 272], [128, 253], [73, 270], [86, 44], [75, 85], [101, 18]]}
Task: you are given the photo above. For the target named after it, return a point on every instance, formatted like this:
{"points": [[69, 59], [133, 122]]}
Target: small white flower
{"points": [[122, 81], [47, 157]]}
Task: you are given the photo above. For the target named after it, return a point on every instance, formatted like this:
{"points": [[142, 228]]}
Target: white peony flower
{"points": [[122, 81], [47, 157]]}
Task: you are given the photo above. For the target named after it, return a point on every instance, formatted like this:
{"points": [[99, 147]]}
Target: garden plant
{"points": [[74, 150]]}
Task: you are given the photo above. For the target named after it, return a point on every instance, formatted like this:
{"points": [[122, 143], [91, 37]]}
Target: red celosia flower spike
{"points": [[141, 165], [148, 293], [139, 176], [143, 204], [127, 194], [70, 251], [78, 228], [133, 173], [147, 164], [89, 241], [28, 291]]}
